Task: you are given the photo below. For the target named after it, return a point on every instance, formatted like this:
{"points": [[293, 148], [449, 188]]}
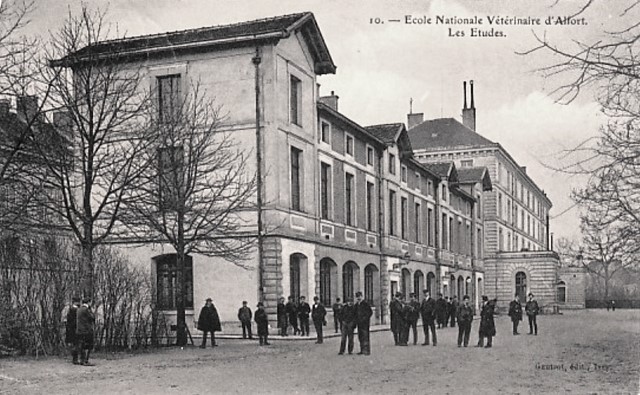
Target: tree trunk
{"points": [[86, 281], [181, 321]]}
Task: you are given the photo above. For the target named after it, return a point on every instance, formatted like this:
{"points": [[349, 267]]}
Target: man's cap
{"points": [[465, 297], [426, 291], [290, 297], [398, 294], [358, 294], [209, 300], [530, 294], [86, 300], [260, 304], [485, 297], [316, 298], [75, 299], [302, 297], [244, 302]]}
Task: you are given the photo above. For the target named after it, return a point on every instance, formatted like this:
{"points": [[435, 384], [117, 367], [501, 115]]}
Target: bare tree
{"points": [[104, 103], [196, 192]]}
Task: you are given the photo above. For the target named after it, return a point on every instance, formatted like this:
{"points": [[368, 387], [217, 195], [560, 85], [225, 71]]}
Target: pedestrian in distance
{"points": [[245, 315], [292, 314], [613, 305], [414, 315], [209, 322], [487, 324], [453, 309], [70, 329], [465, 317], [349, 317], [395, 307], [282, 317], [515, 312], [404, 322], [532, 309], [85, 320], [441, 311], [428, 313], [447, 312], [337, 307], [363, 314], [303, 315], [262, 321], [318, 314]]}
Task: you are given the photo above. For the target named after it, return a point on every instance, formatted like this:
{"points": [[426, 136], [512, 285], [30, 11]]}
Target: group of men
{"points": [[531, 309], [296, 316], [79, 330]]}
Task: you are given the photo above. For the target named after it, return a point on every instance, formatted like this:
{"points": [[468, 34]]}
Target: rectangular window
{"points": [[166, 282], [445, 234], [451, 239], [168, 97], [444, 193], [325, 190], [418, 222], [430, 187], [392, 164], [170, 172], [479, 211], [325, 132], [528, 224], [499, 205], [370, 154], [430, 226], [418, 179], [370, 205], [348, 145], [479, 244], [348, 194], [466, 163], [403, 173], [295, 99], [403, 218], [392, 212], [295, 178]]}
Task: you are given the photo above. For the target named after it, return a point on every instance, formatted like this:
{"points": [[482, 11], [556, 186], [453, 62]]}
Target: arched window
{"points": [[418, 283], [562, 292], [370, 273], [466, 286], [521, 285], [349, 277], [328, 276], [452, 288], [294, 276], [460, 287], [166, 282], [431, 283]]}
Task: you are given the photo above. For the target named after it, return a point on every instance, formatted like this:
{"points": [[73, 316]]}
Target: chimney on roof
{"points": [[27, 106], [414, 119], [331, 101], [524, 169], [469, 113], [5, 107]]}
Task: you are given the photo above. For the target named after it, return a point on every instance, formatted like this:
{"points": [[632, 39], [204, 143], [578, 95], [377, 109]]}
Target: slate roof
{"points": [[237, 34], [441, 169], [386, 132], [472, 175], [13, 127], [343, 118], [446, 133]]}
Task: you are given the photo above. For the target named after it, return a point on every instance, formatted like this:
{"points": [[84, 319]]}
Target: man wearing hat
{"points": [[292, 313], [282, 317], [262, 321], [428, 312], [84, 330], [349, 320], [303, 315], [465, 316], [244, 315], [532, 310], [487, 324], [70, 335], [209, 321], [397, 320], [441, 311], [515, 312], [364, 313], [318, 313], [414, 315]]}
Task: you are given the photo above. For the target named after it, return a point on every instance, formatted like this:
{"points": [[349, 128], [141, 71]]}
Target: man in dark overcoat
{"points": [[487, 324], [515, 312], [318, 314], [414, 315], [209, 322], [395, 307], [84, 330], [303, 314], [532, 310], [282, 317], [337, 307], [262, 321], [70, 329], [363, 321], [441, 311], [428, 313], [292, 314], [453, 310], [465, 316], [349, 321], [245, 315]]}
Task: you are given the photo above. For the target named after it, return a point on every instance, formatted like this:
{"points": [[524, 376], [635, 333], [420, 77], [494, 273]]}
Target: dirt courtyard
{"points": [[579, 352]]}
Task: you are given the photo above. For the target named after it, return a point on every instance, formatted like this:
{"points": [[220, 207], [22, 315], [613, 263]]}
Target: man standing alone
{"points": [[209, 321], [318, 313], [244, 315], [515, 312], [532, 310], [465, 316], [428, 312], [84, 330], [262, 321], [364, 313]]}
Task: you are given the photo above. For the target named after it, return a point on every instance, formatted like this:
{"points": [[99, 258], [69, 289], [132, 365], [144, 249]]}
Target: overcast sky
{"points": [[382, 66]]}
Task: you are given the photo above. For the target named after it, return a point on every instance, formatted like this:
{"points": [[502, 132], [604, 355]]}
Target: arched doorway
{"points": [[431, 283], [372, 284], [460, 287], [521, 285], [328, 281], [562, 292], [452, 288], [479, 289], [467, 283], [418, 283], [298, 284], [405, 284], [350, 280]]}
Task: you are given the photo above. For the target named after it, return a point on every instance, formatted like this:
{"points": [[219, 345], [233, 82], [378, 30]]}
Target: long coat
{"points": [[282, 315], [84, 321], [441, 309], [70, 334], [209, 320], [397, 319], [428, 310], [364, 313], [262, 321], [487, 325], [318, 313], [515, 311]]}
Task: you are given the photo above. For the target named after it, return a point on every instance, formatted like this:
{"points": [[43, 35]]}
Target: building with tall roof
{"points": [[345, 208], [518, 257]]}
